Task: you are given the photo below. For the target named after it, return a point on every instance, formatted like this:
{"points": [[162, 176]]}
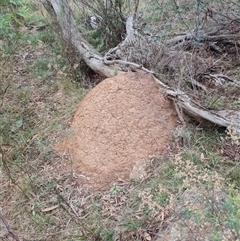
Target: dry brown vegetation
{"points": [[182, 58], [191, 194]]}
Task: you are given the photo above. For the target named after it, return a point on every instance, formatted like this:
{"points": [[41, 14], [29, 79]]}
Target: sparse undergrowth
{"points": [[193, 194]]}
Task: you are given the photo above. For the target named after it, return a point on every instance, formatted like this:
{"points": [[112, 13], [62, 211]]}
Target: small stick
{"points": [[14, 236]]}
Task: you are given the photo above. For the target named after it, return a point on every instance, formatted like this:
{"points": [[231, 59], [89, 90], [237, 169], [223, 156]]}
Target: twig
{"points": [[14, 236], [60, 196], [192, 108], [4, 92], [130, 64], [136, 7], [179, 113], [227, 78]]}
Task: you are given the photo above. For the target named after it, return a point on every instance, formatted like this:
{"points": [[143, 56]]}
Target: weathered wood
{"points": [[60, 9], [223, 118], [116, 60]]}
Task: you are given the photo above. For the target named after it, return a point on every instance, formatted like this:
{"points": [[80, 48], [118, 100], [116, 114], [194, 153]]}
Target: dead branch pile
{"points": [[189, 64]]}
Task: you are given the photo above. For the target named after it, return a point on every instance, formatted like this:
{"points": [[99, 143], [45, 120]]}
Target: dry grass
{"points": [[38, 101], [195, 192]]}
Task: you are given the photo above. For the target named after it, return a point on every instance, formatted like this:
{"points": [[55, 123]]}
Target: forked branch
{"points": [[139, 52]]}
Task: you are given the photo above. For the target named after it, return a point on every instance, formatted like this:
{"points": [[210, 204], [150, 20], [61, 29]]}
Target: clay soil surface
{"points": [[119, 125]]}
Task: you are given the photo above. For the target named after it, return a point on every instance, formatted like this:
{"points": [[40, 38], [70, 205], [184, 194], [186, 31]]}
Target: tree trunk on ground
{"points": [[60, 10], [146, 52]]}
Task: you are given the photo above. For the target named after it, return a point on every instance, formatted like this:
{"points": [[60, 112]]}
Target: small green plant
{"points": [[42, 68], [105, 34], [109, 235], [232, 213], [162, 198], [132, 225], [12, 18], [114, 189], [96, 39]]}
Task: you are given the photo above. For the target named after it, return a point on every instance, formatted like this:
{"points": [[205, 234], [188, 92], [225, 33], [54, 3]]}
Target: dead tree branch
{"points": [[60, 9], [223, 118], [14, 236], [139, 51]]}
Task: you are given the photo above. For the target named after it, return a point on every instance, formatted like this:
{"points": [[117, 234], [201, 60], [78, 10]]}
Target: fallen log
{"points": [[60, 10], [222, 118], [118, 60]]}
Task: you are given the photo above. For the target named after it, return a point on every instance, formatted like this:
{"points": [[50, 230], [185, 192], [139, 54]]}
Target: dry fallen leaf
{"points": [[147, 236], [44, 210]]}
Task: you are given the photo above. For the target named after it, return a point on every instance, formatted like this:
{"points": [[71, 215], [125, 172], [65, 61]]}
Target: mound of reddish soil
{"points": [[123, 120]]}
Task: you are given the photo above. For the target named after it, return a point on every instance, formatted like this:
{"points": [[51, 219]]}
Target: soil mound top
{"points": [[124, 120]]}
